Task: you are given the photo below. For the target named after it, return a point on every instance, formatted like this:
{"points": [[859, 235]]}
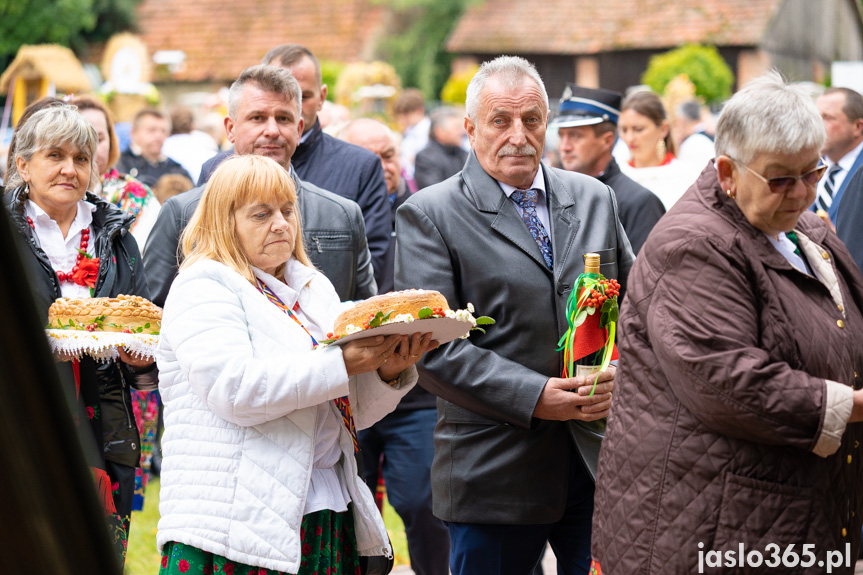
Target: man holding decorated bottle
{"points": [[508, 235]]}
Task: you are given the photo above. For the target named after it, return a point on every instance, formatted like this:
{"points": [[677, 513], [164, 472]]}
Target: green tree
{"points": [[71, 23], [112, 16], [330, 70], [42, 22], [417, 49], [703, 65]]}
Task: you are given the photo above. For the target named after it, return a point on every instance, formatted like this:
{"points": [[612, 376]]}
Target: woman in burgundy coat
{"points": [[734, 425]]}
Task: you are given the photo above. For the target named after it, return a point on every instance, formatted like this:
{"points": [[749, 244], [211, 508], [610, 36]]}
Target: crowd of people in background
{"points": [[734, 235]]}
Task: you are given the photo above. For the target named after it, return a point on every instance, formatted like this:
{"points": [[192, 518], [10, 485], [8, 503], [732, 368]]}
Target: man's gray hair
{"points": [[511, 70], [270, 79], [58, 125], [769, 116], [441, 115]]}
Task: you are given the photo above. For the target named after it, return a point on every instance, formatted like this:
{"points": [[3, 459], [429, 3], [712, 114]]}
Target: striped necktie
{"points": [[825, 198], [526, 200]]}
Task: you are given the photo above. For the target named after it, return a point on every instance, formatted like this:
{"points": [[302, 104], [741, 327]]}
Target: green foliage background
{"points": [[72, 23], [706, 69], [416, 46], [330, 70]]}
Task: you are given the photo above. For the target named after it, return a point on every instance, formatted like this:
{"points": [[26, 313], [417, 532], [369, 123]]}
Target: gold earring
{"points": [[661, 150], [730, 194]]}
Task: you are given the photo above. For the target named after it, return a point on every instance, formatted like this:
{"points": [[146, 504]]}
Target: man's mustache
{"points": [[510, 150]]}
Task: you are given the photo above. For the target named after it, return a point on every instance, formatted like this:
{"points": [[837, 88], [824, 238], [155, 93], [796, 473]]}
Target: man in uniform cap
{"points": [[587, 129]]}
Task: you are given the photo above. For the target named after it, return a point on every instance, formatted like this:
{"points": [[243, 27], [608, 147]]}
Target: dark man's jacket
{"points": [[333, 233], [146, 171], [640, 208], [437, 162], [849, 220], [494, 462]]}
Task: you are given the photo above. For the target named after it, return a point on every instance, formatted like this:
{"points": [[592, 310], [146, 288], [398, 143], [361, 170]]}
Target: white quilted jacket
{"points": [[240, 385]]}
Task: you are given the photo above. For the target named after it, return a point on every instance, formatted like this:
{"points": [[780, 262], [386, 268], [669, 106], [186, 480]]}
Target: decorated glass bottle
{"points": [[591, 362]]}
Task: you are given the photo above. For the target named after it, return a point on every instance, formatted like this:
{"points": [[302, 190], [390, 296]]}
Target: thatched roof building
{"points": [[41, 70]]}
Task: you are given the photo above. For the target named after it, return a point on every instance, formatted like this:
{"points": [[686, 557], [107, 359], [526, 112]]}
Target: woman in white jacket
{"points": [[259, 473]]}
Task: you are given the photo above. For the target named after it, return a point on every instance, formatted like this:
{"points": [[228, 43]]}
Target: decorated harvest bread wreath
{"points": [[123, 314], [400, 307]]}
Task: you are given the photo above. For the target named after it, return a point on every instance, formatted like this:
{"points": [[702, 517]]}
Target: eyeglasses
{"points": [[782, 184]]}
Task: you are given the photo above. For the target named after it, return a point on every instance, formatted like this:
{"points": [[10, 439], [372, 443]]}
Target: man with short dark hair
{"points": [[264, 118], [443, 156], [842, 112], [144, 159], [508, 235], [342, 168], [587, 129]]}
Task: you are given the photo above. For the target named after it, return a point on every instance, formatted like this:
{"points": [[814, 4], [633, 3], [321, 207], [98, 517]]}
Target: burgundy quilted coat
{"points": [[724, 428]]}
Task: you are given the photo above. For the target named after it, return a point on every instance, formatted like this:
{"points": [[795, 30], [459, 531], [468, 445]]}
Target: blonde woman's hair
{"points": [[211, 233]]}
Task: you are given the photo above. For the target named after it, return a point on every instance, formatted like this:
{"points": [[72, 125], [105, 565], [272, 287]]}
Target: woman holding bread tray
{"points": [[259, 470], [78, 245]]}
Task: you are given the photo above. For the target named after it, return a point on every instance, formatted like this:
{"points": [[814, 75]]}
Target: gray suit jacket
{"points": [[333, 233], [495, 463]]}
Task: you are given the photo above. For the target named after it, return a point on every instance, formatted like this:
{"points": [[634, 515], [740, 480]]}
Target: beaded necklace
{"points": [[85, 240]]}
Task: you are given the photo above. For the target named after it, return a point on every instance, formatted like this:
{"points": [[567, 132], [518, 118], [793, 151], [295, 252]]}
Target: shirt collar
{"points": [[309, 133], [83, 217], [538, 184], [786, 247]]}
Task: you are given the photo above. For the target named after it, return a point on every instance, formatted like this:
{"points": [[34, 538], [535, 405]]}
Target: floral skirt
{"points": [[328, 546]]}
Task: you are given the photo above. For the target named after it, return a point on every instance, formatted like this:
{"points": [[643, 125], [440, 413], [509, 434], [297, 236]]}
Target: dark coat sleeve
{"points": [[434, 164], [428, 171], [366, 285], [849, 221], [161, 260], [147, 378], [374, 202], [639, 219], [210, 166]]}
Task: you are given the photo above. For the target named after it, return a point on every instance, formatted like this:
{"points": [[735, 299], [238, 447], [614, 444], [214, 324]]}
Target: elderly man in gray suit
{"points": [[508, 235]]}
